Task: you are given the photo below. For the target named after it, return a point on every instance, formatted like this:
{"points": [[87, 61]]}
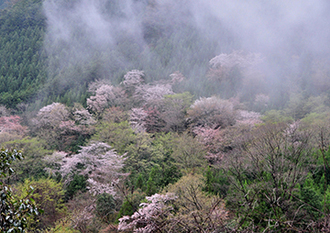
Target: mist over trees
{"points": [[165, 116]]}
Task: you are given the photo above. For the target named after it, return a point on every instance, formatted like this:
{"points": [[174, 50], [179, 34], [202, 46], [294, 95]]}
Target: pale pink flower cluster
{"points": [[150, 93], [133, 78], [11, 124], [4, 111], [83, 117], [100, 162], [137, 119], [52, 115], [99, 102], [211, 139], [177, 77], [212, 112], [236, 58], [248, 118], [148, 218]]}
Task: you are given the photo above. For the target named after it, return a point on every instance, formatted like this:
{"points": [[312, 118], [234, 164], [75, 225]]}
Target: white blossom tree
{"points": [[152, 216], [81, 116], [52, 115], [62, 126], [212, 112], [236, 58], [137, 119], [150, 94], [177, 77], [103, 94], [133, 78], [183, 208], [47, 123], [238, 73], [248, 118], [98, 160]]}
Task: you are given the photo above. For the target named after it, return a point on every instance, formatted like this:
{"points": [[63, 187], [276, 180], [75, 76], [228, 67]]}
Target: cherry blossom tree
{"points": [[11, 124], [47, 123], [211, 139], [61, 127], [248, 118], [152, 217], [238, 73], [100, 162], [52, 115], [137, 119], [133, 78], [236, 58], [105, 95], [183, 208], [221, 141], [81, 116], [177, 77], [149, 94], [168, 114], [212, 112]]}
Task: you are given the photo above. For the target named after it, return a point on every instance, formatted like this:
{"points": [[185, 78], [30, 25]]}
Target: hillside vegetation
{"points": [[161, 125]]}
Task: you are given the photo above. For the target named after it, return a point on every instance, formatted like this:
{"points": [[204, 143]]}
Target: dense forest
{"points": [[164, 116]]}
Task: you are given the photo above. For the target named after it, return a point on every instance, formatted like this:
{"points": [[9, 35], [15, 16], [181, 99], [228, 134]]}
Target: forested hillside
{"points": [[164, 116], [22, 70]]}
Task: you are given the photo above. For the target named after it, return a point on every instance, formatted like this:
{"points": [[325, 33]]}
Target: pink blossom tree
{"points": [[212, 112], [133, 78], [47, 123], [137, 119], [51, 116], [11, 124], [61, 126], [150, 94], [100, 162], [238, 73], [183, 208], [152, 217], [105, 95]]}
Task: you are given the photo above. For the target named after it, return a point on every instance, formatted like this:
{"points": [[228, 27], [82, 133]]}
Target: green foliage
{"points": [[131, 204], [139, 182], [153, 181], [49, 196], [276, 116], [14, 211], [301, 105], [119, 135], [33, 165], [62, 227], [216, 182], [188, 153], [150, 162], [105, 206], [22, 71], [78, 183], [268, 182], [310, 193]]}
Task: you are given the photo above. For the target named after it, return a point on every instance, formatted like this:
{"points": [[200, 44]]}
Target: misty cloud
{"points": [[164, 36]]}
